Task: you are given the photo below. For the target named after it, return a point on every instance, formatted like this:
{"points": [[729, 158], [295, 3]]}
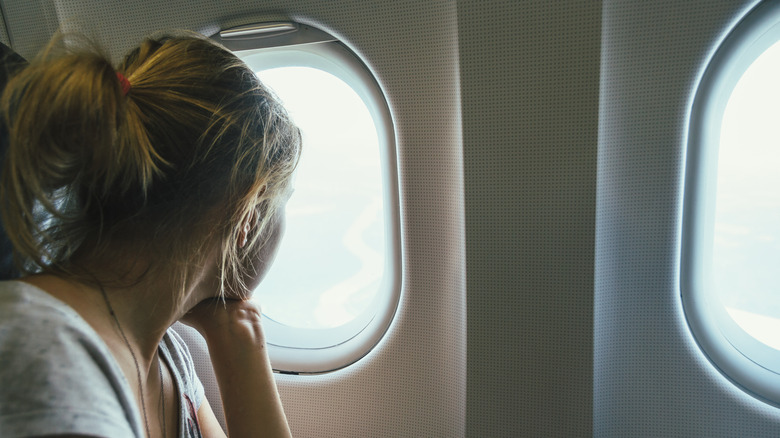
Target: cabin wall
{"points": [[529, 79], [3, 31], [650, 378]]}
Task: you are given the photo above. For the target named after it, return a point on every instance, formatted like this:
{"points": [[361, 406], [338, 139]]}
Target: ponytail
{"points": [[64, 114]]}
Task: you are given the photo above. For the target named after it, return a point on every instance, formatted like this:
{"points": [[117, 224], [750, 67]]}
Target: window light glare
{"points": [[763, 328], [331, 261], [746, 246]]}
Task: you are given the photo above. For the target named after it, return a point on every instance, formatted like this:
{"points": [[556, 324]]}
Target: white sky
{"points": [[746, 257]]}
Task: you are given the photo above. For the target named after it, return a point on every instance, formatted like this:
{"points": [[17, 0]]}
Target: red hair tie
{"points": [[124, 83]]}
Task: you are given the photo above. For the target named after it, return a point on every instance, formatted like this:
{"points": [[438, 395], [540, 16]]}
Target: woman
{"points": [[136, 197]]}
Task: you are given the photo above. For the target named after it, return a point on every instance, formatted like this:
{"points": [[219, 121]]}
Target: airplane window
{"points": [[731, 223], [333, 289]]}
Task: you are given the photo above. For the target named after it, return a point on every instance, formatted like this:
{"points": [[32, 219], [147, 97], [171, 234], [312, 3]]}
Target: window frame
{"points": [[752, 365], [296, 350]]}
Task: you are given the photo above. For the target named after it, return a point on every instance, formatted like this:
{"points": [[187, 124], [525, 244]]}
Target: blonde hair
{"points": [[88, 166]]}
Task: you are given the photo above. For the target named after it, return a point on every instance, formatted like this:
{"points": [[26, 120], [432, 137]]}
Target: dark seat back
{"points": [[10, 62]]}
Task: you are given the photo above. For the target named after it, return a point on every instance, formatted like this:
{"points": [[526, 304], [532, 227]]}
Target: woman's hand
{"points": [[234, 334], [228, 320]]}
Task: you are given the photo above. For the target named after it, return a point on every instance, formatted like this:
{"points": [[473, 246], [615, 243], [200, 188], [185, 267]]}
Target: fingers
{"points": [[217, 317]]}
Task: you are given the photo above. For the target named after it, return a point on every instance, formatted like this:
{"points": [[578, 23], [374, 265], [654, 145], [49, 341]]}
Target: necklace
{"points": [[137, 368], [162, 393]]}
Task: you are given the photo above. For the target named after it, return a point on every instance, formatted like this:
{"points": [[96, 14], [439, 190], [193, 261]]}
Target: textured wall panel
{"points": [[529, 74], [650, 378], [3, 31], [38, 20], [413, 383]]}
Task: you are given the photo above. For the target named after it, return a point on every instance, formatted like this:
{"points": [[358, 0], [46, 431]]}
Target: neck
{"points": [[146, 299], [140, 316]]}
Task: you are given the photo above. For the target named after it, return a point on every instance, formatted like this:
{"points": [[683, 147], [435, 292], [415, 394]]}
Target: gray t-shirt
{"points": [[57, 376]]}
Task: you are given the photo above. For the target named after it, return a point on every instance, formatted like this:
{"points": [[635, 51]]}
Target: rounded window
{"points": [[334, 286], [731, 222]]}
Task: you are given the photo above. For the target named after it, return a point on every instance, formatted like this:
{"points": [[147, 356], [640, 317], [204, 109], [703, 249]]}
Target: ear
{"points": [[246, 228], [243, 238]]}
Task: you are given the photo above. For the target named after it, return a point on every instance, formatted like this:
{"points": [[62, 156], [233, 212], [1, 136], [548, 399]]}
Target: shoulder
{"points": [[30, 317], [56, 373], [18, 296]]}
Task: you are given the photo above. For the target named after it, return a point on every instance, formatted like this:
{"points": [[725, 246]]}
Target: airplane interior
{"points": [[545, 222]]}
